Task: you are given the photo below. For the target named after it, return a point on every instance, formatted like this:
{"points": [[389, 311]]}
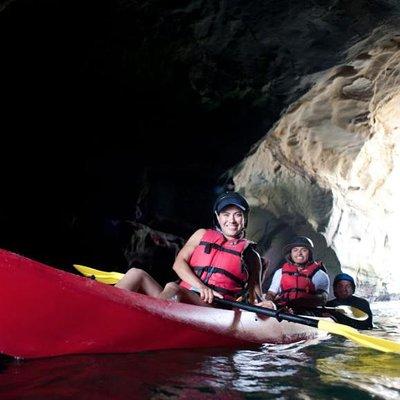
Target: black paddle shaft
{"points": [[269, 312]]}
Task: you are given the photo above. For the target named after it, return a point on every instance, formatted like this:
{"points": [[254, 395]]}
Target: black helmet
{"points": [[230, 199], [298, 241]]}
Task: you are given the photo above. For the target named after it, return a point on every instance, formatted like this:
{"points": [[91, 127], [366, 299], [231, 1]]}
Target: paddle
{"points": [[327, 326], [102, 276], [349, 311]]}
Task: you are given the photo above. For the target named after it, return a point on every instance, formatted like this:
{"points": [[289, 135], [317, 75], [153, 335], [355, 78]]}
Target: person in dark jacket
{"points": [[344, 288]]}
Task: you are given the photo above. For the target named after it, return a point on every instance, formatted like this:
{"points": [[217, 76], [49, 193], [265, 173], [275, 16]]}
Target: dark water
{"points": [[330, 368]]}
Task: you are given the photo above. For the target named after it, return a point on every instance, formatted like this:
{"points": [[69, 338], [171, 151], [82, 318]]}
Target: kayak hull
{"points": [[49, 312]]}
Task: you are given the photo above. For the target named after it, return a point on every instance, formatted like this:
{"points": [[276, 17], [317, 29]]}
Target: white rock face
{"points": [[332, 162]]}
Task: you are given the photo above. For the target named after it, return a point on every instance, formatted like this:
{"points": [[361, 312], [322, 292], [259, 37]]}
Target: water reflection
{"points": [[373, 372], [333, 368], [365, 369]]}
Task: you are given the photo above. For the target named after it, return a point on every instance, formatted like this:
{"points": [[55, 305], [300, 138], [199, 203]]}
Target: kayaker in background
{"points": [[218, 262], [300, 283], [343, 289]]}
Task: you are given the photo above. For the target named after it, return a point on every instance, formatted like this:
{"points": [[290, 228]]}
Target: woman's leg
{"points": [[173, 290], [137, 280]]}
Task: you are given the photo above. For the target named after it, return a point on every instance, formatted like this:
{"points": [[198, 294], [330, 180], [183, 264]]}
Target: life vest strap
{"points": [[215, 270], [295, 273], [208, 246], [232, 293], [294, 290]]}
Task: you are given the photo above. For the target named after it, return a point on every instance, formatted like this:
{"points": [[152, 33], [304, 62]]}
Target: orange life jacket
{"points": [[218, 262], [296, 283]]}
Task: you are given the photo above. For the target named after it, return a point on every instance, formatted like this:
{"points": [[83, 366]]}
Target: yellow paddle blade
{"points": [[106, 277], [350, 312], [357, 313], [368, 341]]}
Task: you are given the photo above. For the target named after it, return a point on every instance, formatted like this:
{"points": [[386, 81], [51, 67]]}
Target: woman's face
{"points": [[231, 220], [299, 254]]}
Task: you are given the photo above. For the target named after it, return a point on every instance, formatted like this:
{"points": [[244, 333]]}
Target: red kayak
{"points": [[49, 312]]}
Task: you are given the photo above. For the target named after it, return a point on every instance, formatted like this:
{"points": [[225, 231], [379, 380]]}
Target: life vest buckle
{"points": [[207, 248]]}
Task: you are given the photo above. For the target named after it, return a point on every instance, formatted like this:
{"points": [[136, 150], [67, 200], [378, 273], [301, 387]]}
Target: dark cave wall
{"points": [[96, 95]]}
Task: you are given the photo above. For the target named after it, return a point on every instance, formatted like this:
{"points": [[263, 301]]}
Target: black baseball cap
{"points": [[231, 199]]}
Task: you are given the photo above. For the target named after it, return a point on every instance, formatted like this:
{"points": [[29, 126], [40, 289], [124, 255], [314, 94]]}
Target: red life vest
{"points": [[296, 283], [218, 263]]}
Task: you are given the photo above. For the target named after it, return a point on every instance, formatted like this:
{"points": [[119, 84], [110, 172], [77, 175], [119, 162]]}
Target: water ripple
{"points": [[331, 368]]}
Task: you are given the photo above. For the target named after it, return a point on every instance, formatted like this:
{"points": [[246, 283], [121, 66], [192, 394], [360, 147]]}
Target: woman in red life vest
{"points": [[301, 282], [217, 262]]}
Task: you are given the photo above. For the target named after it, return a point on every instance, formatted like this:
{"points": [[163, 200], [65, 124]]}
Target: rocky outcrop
{"points": [[330, 167], [152, 250]]}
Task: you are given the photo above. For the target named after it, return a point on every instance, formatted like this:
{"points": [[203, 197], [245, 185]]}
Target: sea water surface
{"points": [[330, 368]]}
